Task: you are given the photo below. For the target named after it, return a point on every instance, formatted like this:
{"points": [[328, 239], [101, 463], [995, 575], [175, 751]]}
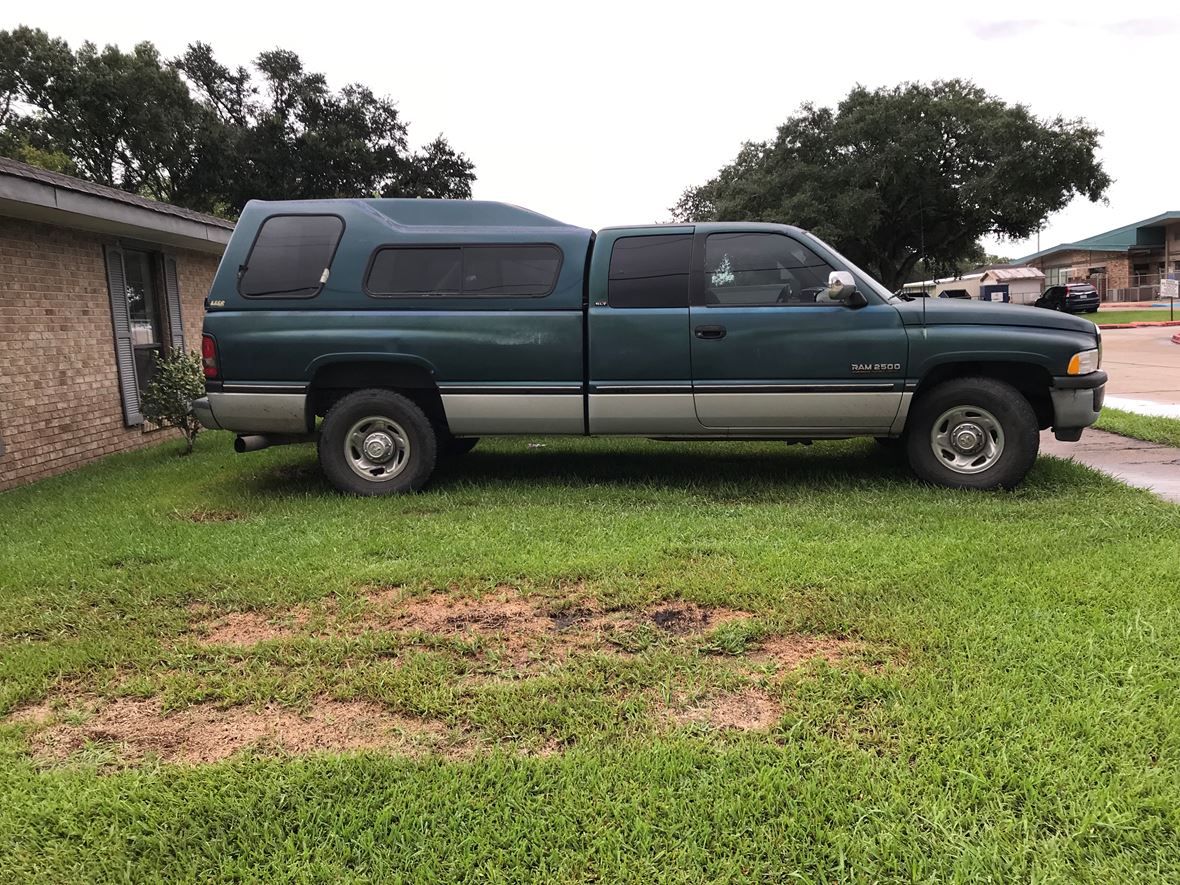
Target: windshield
{"points": [[864, 275]]}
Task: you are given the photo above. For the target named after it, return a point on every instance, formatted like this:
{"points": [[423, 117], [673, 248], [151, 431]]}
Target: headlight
{"points": [[1085, 362]]}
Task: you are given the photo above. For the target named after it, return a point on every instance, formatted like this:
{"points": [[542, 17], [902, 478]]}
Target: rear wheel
{"points": [[377, 442], [973, 433]]}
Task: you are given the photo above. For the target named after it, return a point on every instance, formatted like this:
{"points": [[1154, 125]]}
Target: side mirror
{"points": [[842, 290]]}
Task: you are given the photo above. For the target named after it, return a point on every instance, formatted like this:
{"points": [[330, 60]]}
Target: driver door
{"points": [[767, 356]]}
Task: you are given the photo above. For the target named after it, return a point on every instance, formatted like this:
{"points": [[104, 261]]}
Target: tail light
{"points": [[209, 356]]}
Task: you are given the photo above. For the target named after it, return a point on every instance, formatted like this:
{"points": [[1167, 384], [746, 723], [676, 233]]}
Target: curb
{"points": [[1176, 338], [1143, 325]]}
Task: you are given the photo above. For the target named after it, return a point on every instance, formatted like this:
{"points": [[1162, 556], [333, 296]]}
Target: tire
{"points": [[452, 447], [1000, 435], [403, 444]]}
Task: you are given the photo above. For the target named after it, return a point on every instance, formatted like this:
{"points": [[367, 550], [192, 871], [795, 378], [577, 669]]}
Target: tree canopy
{"points": [[896, 175], [193, 132]]}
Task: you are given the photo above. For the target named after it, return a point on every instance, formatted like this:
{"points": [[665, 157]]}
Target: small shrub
{"points": [[167, 401]]}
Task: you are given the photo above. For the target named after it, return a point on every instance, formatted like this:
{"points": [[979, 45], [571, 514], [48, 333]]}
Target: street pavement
{"points": [[1144, 369]]}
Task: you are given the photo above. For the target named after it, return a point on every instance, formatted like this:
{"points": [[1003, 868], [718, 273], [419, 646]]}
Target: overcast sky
{"points": [[601, 113]]}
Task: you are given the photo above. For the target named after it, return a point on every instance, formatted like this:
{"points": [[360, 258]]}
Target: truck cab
{"points": [[395, 333]]}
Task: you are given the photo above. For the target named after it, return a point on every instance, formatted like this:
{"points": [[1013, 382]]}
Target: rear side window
{"points": [[649, 271], [467, 271], [291, 256]]}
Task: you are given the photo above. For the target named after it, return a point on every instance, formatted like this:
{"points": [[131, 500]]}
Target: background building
{"points": [[1015, 285], [1124, 264], [94, 282]]}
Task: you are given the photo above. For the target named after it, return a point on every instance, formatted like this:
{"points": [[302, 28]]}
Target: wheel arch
{"points": [[1030, 379], [333, 376]]}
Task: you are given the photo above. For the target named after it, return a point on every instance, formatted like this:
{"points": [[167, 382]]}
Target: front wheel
{"points": [[973, 433], [377, 442]]}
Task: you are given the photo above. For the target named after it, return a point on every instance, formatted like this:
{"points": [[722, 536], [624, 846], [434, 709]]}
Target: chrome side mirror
{"points": [[839, 280], [842, 290]]}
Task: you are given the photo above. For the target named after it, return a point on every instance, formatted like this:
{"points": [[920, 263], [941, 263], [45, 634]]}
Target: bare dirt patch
{"points": [[39, 713], [517, 626], [686, 618], [748, 710], [794, 649], [247, 628], [137, 729]]}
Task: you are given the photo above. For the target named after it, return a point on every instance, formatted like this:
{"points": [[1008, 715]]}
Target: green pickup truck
{"points": [[414, 327]]}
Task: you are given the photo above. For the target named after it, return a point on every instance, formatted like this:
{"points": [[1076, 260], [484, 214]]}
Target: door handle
{"points": [[710, 332]]}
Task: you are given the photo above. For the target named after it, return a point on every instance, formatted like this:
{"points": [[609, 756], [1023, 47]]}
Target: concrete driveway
{"points": [[1141, 464]]}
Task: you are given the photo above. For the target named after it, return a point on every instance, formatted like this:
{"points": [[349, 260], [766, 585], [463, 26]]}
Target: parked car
{"points": [[1070, 298], [395, 333]]}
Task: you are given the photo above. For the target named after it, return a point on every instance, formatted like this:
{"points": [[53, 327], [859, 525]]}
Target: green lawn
{"points": [[1006, 707], [1150, 315], [1152, 429]]}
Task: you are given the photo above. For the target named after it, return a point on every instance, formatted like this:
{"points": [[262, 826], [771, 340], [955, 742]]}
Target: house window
{"points": [[144, 312], [146, 317], [1056, 276]]}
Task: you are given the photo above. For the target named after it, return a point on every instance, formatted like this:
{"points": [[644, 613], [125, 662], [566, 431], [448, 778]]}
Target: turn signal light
{"points": [[1085, 362], [209, 356]]}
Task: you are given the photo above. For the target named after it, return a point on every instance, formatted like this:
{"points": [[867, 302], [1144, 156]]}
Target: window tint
{"points": [[417, 272], [473, 271], [650, 271], [510, 270], [758, 268], [291, 256]]}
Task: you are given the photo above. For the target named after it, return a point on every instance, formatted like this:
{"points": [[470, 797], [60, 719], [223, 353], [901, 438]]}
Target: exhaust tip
{"points": [[251, 443]]}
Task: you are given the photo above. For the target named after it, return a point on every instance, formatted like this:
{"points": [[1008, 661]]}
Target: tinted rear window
{"points": [[291, 256], [470, 271], [650, 271]]}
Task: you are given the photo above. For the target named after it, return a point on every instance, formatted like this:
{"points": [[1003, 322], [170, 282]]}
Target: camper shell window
{"points": [[467, 271], [290, 256]]}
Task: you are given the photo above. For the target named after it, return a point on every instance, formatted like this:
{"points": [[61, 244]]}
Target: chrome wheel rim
{"points": [[376, 448], [967, 439]]}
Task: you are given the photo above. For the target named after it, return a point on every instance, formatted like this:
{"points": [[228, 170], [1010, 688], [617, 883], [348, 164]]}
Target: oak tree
{"points": [[917, 172]]}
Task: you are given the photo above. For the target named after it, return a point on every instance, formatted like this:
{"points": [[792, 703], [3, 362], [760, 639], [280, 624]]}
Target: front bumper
{"points": [[1077, 402]]}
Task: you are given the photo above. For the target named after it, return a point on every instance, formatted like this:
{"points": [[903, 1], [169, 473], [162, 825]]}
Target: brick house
{"points": [[1125, 264], [94, 282]]}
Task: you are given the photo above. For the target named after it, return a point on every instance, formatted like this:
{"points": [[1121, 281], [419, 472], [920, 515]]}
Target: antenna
{"points": [[922, 247]]}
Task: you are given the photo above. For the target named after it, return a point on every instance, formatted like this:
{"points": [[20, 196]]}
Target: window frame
{"points": [[699, 298], [462, 247], [254, 244], [688, 273], [158, 316]]}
